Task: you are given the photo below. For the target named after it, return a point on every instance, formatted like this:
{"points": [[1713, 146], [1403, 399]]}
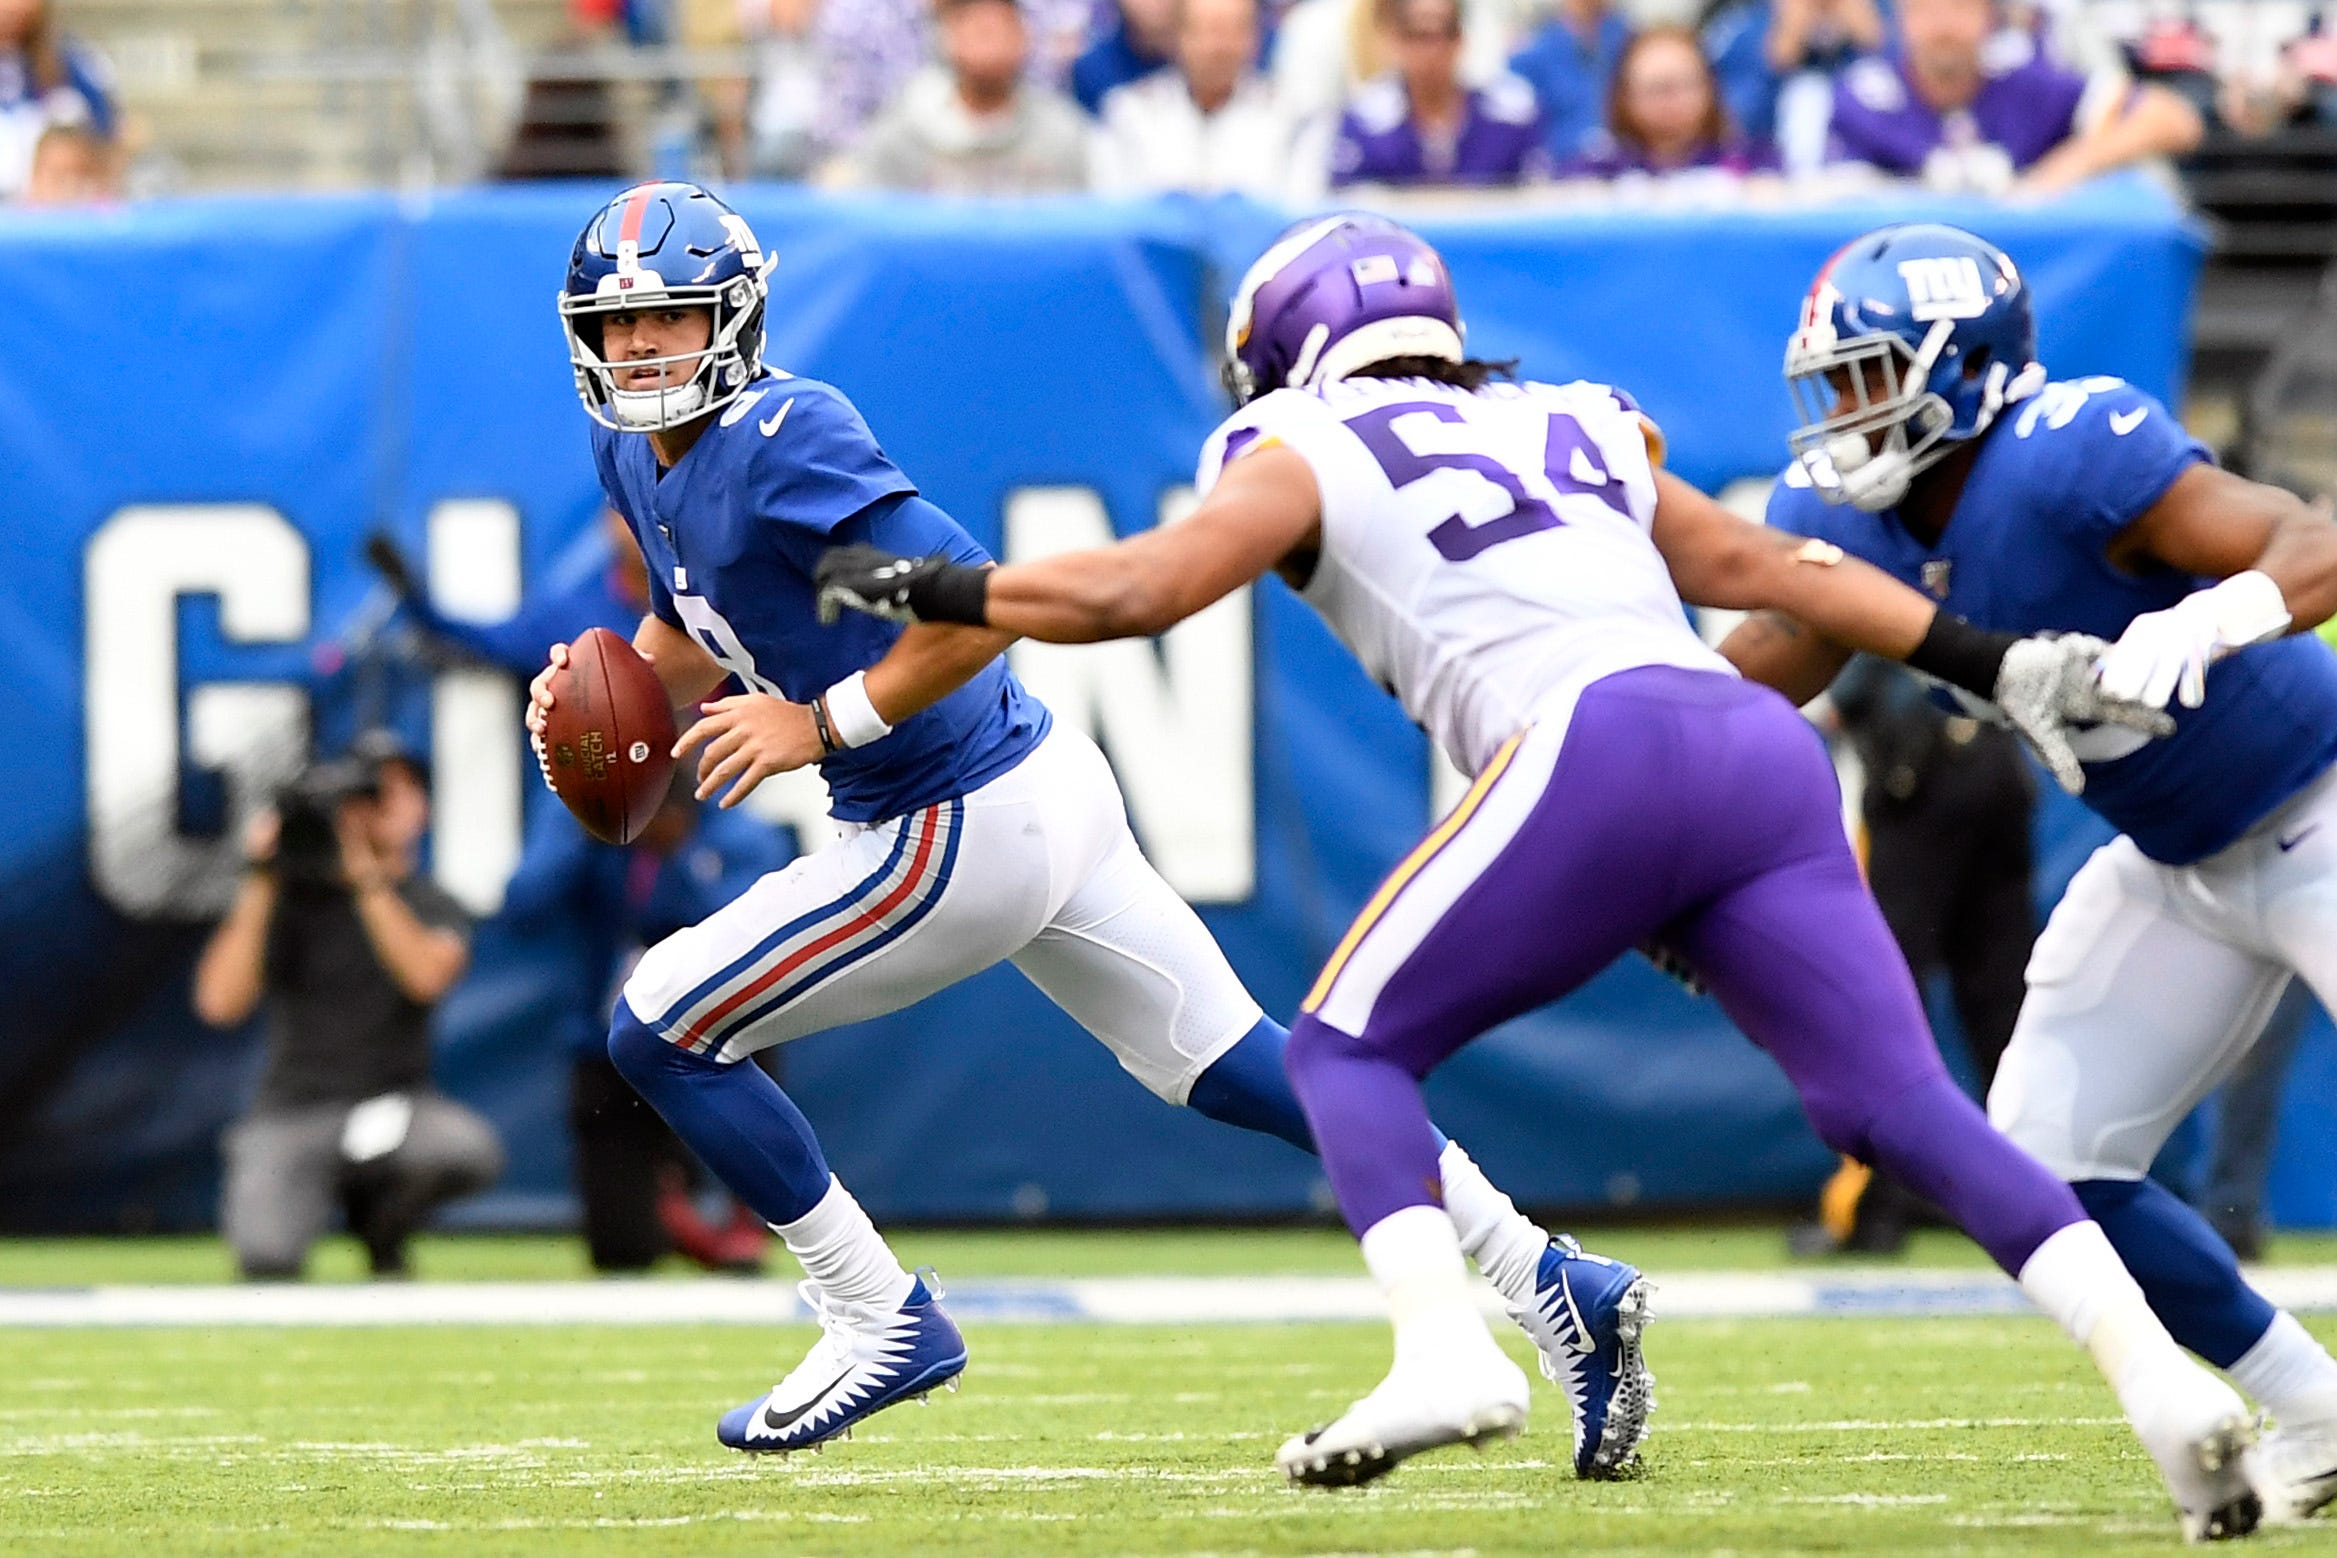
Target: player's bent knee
{"points": [[639, 1053]]}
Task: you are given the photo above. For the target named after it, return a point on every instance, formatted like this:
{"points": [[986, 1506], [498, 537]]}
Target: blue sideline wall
{"points": [[210, 403]]}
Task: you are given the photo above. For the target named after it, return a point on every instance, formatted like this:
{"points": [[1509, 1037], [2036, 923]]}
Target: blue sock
{"points": [[1248, 1086], [732, 1116], [2189, 1275]]}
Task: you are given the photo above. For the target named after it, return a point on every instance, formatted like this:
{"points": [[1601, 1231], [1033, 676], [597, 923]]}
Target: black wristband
{"points": [[819, 723], [1962, 655], [952, 593]]}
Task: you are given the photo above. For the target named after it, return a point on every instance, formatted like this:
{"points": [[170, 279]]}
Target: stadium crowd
{"points": [[1293, 97]]}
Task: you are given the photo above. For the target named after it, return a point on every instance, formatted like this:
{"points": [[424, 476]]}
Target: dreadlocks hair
{"points": [[1471, 374]]}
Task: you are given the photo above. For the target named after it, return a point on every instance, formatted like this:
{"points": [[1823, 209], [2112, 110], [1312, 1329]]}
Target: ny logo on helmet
{"points": [[1948, 287]]}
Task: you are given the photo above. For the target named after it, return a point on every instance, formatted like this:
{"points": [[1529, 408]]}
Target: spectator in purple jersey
{"points": [[1963, 106], [1664, 115], [1420, 124]]}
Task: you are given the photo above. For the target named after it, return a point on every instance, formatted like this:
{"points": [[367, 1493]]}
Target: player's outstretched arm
{"points": [[1777, 650], [1717, 559], [2044, 685], [2275, 554], [1264, 507]]}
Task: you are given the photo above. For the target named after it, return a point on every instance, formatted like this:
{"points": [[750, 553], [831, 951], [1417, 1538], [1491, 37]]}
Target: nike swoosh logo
{"points": [[771, 1418], [2298, 837], [770, 426], [1579, 1344], [2124, 422]]}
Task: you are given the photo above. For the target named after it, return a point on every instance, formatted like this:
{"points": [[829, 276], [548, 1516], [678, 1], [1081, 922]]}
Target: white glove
{"points": [[2049, 685], [2167, 653]]}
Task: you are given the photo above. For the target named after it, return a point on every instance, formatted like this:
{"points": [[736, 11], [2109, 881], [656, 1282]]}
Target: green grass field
{"points": [[1835, 1435]]}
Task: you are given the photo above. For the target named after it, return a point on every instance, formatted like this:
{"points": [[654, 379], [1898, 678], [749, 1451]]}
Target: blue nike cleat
{"points": [[866, 1359], [1586, 1321]]}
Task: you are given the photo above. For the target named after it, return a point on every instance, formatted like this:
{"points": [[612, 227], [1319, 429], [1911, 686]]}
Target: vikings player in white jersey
{"points": [[1510, 560]]}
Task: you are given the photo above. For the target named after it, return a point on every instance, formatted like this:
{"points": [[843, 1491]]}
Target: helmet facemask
{"points": [[1849, 391], [721, 371]]}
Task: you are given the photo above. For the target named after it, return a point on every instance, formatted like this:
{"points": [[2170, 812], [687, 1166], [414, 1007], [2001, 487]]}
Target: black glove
{"points": [[900, 589]]}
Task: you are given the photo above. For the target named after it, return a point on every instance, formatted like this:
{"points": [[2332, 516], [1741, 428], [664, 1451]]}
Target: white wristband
{"points": [[851, 715], [2248, 609]]}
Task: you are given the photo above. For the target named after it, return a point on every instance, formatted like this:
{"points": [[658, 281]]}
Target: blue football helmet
{"points": [[1912, 341], [665, 245]]}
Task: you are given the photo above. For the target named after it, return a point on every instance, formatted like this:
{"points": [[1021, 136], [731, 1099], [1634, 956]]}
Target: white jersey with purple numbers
{"points": [[1485, 554]]}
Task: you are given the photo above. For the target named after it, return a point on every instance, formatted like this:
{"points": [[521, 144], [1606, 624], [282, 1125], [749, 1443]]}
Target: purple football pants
{"points": [[1680, 805]]}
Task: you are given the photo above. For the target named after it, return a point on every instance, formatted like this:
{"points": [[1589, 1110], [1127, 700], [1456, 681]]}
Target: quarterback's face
{"points": [[638, 337]]}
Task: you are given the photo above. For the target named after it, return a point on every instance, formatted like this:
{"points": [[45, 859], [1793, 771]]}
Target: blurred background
{"points": [[292, 470]]}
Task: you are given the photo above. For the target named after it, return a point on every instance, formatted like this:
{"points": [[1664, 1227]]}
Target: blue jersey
{"points": [[731, 535], [2025, 551]]}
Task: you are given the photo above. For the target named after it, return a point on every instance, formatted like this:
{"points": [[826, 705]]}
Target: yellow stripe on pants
{"points": [[1423, 853]]}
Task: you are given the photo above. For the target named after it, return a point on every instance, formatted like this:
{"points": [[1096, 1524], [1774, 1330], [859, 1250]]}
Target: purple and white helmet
{"points": [[1334, 294]]}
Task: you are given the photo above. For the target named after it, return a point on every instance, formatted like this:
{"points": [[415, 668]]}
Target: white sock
{"points": [[2291, 1374], [1415, 1257], [1506, 1244], [844, 1255], [2076, 1278]]}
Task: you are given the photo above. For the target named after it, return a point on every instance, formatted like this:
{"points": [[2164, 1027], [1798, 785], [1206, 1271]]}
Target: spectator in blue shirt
{"points": [[1568, 64], [1420, 125], [1141, 39], [45, 79], [1777, 60]]}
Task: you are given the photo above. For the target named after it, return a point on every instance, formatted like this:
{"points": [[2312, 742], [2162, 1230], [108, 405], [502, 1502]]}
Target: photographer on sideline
{"points": [[350, 947]]}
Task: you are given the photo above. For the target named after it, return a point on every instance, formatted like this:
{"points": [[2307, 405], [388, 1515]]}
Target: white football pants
{"points": [[2151, 981], [1037, 866]]}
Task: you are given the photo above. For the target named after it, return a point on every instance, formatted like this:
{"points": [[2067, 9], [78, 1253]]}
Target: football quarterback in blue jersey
{"points": [[973, 831], [1934, 444]]}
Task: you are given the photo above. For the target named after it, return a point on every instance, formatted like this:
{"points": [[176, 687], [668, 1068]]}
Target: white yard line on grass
{"points": [[1901, 1293]]}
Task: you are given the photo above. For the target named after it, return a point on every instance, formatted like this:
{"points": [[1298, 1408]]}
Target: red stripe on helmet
{"points": [[636, 207]]}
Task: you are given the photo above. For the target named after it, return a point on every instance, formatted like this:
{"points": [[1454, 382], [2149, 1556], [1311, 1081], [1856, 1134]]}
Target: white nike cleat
{"points": [[2199, 1432], [2296, 1471], [1453, 1387]]}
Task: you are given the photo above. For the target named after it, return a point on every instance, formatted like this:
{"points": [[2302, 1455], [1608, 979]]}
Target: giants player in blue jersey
{"points": [[1934, 446], [1509, 559], [974, 832]]}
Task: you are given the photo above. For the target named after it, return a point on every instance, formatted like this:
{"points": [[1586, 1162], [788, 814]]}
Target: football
{"points": [[609, 739]]}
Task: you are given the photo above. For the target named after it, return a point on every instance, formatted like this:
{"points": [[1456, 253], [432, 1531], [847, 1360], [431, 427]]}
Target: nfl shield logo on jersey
{"points": [[1935, 576]]}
